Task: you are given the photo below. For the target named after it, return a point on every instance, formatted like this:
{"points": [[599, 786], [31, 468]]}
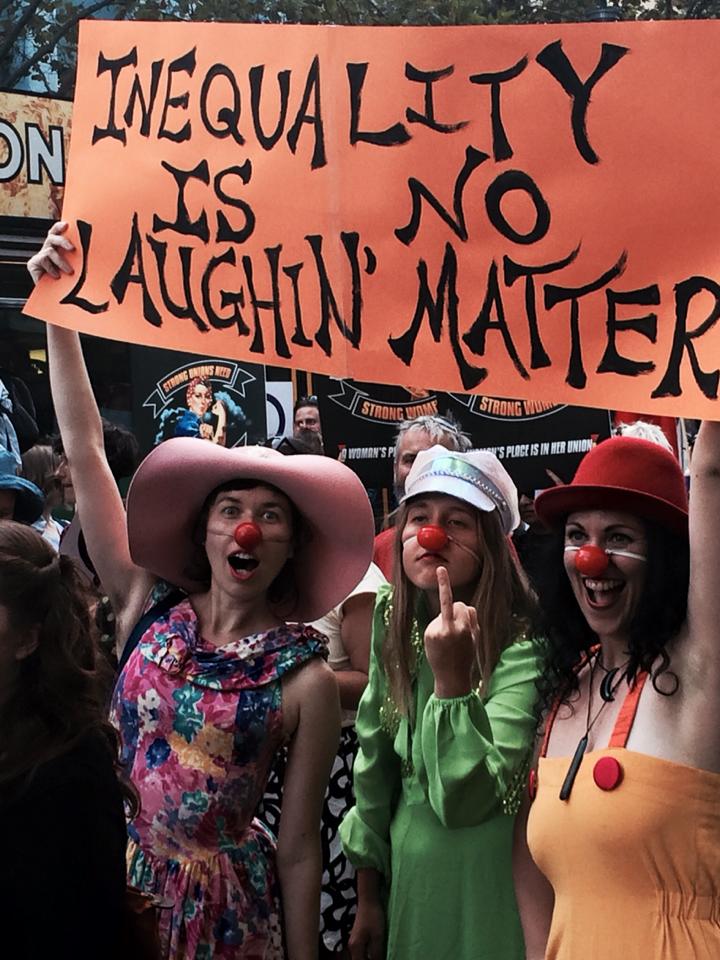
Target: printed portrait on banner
{"points": [[183, 395]]}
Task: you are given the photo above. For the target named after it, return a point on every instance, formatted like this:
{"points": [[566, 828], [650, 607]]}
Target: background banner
{"points": [[517, 211], [34, 138], [360, 421], [182, 395]]}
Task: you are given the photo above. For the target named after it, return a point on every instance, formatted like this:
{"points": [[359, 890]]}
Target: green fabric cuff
{"points": [[362, 846]]}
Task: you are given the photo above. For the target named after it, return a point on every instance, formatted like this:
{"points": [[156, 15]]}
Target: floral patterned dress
{"points": [[200, 726]]}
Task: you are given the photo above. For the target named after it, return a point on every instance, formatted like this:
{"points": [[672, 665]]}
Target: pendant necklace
{"points": [[607, 693]]}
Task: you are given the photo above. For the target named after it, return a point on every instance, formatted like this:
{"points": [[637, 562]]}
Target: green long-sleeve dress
{"points": [[435, 802]]}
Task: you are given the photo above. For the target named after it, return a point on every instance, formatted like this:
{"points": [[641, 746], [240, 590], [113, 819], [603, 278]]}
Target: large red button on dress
{"points": [[607, 773]]}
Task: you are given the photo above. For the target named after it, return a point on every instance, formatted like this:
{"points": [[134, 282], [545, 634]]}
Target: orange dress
{"points": [[635, 861]]}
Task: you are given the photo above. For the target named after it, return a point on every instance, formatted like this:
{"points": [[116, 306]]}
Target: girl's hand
{"points": [[367, 940], [51, 258], [450, 642]]}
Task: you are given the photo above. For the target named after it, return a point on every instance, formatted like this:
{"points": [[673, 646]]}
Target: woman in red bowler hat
{"points": [[214, 680], [623, 812]]}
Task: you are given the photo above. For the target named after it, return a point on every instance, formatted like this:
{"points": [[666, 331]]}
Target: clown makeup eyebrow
{"points": [[263, 505]]}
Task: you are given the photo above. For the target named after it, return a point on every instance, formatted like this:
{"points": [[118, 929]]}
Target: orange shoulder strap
{"points": [[626, 717]]}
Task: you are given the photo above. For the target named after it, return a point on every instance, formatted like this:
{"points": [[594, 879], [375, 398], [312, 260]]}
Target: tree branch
{"points": [[18, 28], [6, 3], [48, 47]]}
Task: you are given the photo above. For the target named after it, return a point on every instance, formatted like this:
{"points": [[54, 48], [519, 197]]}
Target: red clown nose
{"points": [[247, 536], [591, 561], [432, 538]]}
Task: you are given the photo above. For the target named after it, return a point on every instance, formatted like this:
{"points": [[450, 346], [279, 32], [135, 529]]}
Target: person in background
{"points": [[643, 430], [39, 465], [16, 404], [531, 537], [348, 627], [62, 822], [20, 499], [306, 415], [302, 441], [122, 451], [445, 725], [412, 437]]}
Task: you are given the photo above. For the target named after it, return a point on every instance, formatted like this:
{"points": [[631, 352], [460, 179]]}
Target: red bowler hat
{"points": [[622, 473]]}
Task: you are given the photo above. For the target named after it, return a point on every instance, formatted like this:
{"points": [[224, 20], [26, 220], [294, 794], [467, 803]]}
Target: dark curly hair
{"points": [[62, 686], [660, 614], [121, 449]]}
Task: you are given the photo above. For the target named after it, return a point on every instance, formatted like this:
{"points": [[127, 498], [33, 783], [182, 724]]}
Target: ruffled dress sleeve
{"points": [[472, 751], [365, 831]]}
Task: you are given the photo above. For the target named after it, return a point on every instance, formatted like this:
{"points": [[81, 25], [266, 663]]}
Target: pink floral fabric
{"points": [[200, 726]]}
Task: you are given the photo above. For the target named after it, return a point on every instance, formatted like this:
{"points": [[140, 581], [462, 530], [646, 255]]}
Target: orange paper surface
{"points": [[524, 212]]}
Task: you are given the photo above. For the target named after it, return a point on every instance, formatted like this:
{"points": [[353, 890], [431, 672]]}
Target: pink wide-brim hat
{"points": [[172, 483]]}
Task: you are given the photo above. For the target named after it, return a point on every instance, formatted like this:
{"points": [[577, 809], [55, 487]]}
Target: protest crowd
{"points": [[245, 714], [238, 722]]}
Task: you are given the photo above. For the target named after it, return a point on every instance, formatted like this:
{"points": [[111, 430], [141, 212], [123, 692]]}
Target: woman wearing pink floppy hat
{"points": [[624, 802], [214, 681]]}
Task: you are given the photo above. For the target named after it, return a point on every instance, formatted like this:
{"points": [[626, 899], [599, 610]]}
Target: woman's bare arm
{"points": [[99, 503], [355, 630], [534, 894], [312, 751]]}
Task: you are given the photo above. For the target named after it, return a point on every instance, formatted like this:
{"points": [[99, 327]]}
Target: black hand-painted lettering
{"points": [[435, 306], [312, 90], [183, 311], [505, 183], [328, 302], [234, 300], [228, 117], [614, 362], [182, 223], [683, 338], [113, 66], [418, 190], [137, 95], [476, 335], [183, 64], [554, 60], [258, 344], [512, 271], [268, 141], [224, 231], [501, 145], [125, 276], [391, 137], [85, 232], [428, 119], [299, 336], [576, 376]]}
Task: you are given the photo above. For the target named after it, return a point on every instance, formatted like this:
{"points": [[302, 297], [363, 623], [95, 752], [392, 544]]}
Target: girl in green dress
{"points": [[445, 725]]}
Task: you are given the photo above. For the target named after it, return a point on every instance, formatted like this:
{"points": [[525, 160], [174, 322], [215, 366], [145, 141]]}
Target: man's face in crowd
{"points": [[307, 418], [411, 443]]}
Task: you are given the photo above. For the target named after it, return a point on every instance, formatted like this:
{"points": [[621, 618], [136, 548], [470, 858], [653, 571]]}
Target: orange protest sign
{"points": [[527, 212]]}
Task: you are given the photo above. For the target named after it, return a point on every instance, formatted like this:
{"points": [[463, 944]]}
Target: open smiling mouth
{"points": [[602, 593], [242, 565]]}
